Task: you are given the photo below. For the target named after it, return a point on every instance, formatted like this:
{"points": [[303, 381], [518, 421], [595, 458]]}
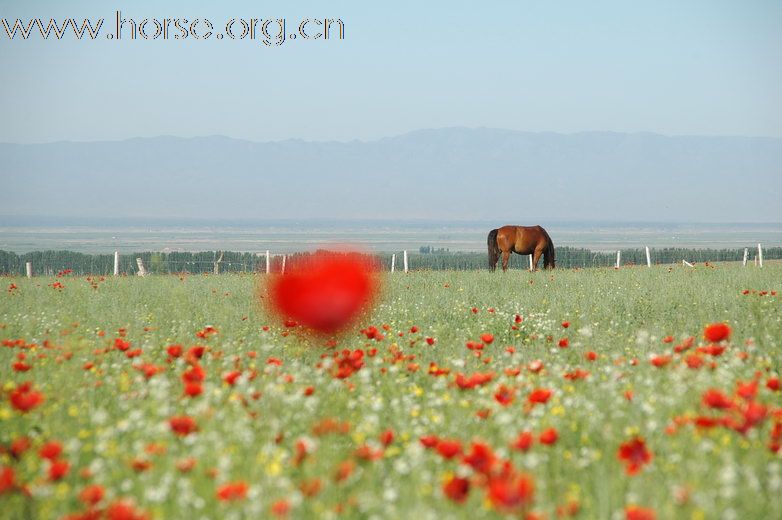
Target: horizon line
{"points": [[392, 136]]}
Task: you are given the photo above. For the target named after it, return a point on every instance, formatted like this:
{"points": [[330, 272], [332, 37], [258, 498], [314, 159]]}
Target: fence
{"points": [[52, 262]]}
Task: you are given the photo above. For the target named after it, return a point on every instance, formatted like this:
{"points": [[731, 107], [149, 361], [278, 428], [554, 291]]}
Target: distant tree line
{"points": [[51, 262]]}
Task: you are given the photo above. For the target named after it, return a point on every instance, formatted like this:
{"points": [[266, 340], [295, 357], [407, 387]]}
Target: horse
{"points": [[522, 240]]}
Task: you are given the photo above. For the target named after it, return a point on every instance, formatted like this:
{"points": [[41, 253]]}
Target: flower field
{"points": [[634, 393]]}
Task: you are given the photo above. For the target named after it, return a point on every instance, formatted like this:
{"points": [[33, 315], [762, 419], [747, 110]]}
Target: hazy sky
{"points": [[707, 67]]}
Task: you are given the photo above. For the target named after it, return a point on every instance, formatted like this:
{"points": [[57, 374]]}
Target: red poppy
{"points": [[311, 487], [21, 366], [344, 470], [716, 332], [19, 446], [634, 512], [58, 469], [51, 450], [121, 344], [430, 341], [487, 337], [195, 374], [660, 361], [324, 292], [195, 352], [747, 390], [193, 389], [231, 377], [772, 383], [634, 454], [7, 479], [124, 510], [577, 374], [457, 489], [509, 493], [481, 458], [232, 491], [713, 398], [694, 361], [387, 437], [564, 343], [524, 441], [24, 398], [91, 495], [539, 396], [367, 452], [175, 350], [186, 465], [183, 425], [591, 356], [448, 448], [281, 508], [549, 436], [711, 350], [429, 441], [504, 395]]}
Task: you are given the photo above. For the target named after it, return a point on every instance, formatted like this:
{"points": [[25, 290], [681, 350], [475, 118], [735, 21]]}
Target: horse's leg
{"points": [[536, 258], [505, 258]]}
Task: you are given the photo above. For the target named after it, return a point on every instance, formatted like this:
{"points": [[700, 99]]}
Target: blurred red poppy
{"points": [[232, 491], [24, 398], [639, 513], [634, 454], [716, 332], [326, 291], [183, 425], [457, 489]]}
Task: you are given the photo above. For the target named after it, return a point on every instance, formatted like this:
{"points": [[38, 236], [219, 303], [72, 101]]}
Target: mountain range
{"points": [[442, 174]]}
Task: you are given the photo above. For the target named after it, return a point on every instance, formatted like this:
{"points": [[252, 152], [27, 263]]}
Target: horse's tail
{"points": [[494, 249], [548, 254]]}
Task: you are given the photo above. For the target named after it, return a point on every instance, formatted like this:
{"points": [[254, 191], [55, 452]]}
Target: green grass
{"points": [[105, 416]]}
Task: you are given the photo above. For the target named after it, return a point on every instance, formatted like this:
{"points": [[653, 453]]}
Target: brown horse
{"points": [[522, 240]]}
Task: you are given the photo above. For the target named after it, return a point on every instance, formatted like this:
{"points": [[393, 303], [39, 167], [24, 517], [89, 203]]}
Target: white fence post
{"points": [[618, 259], [648, 258], [404, 259], [28, 267], [116, 263], [217, 263], [282, 271], [760, 256], [142, 271], [393, 262], [746, 253], [268, 264]]}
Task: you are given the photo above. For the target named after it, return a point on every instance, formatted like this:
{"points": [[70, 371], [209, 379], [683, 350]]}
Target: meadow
{"points": [[594, 393]]}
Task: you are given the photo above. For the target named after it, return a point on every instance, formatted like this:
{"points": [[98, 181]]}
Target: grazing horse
{"points": [[523, 240]]}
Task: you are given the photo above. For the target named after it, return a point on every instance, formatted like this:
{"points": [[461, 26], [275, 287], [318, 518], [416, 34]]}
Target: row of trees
{"points": [[51, 262]]}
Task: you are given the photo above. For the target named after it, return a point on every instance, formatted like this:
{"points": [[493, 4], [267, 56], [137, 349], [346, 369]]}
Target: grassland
{"points": [[263, 433]]}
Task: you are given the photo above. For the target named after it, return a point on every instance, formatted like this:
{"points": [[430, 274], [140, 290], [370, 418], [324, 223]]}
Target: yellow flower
{"points": [[62, 490], [273, 469]]}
